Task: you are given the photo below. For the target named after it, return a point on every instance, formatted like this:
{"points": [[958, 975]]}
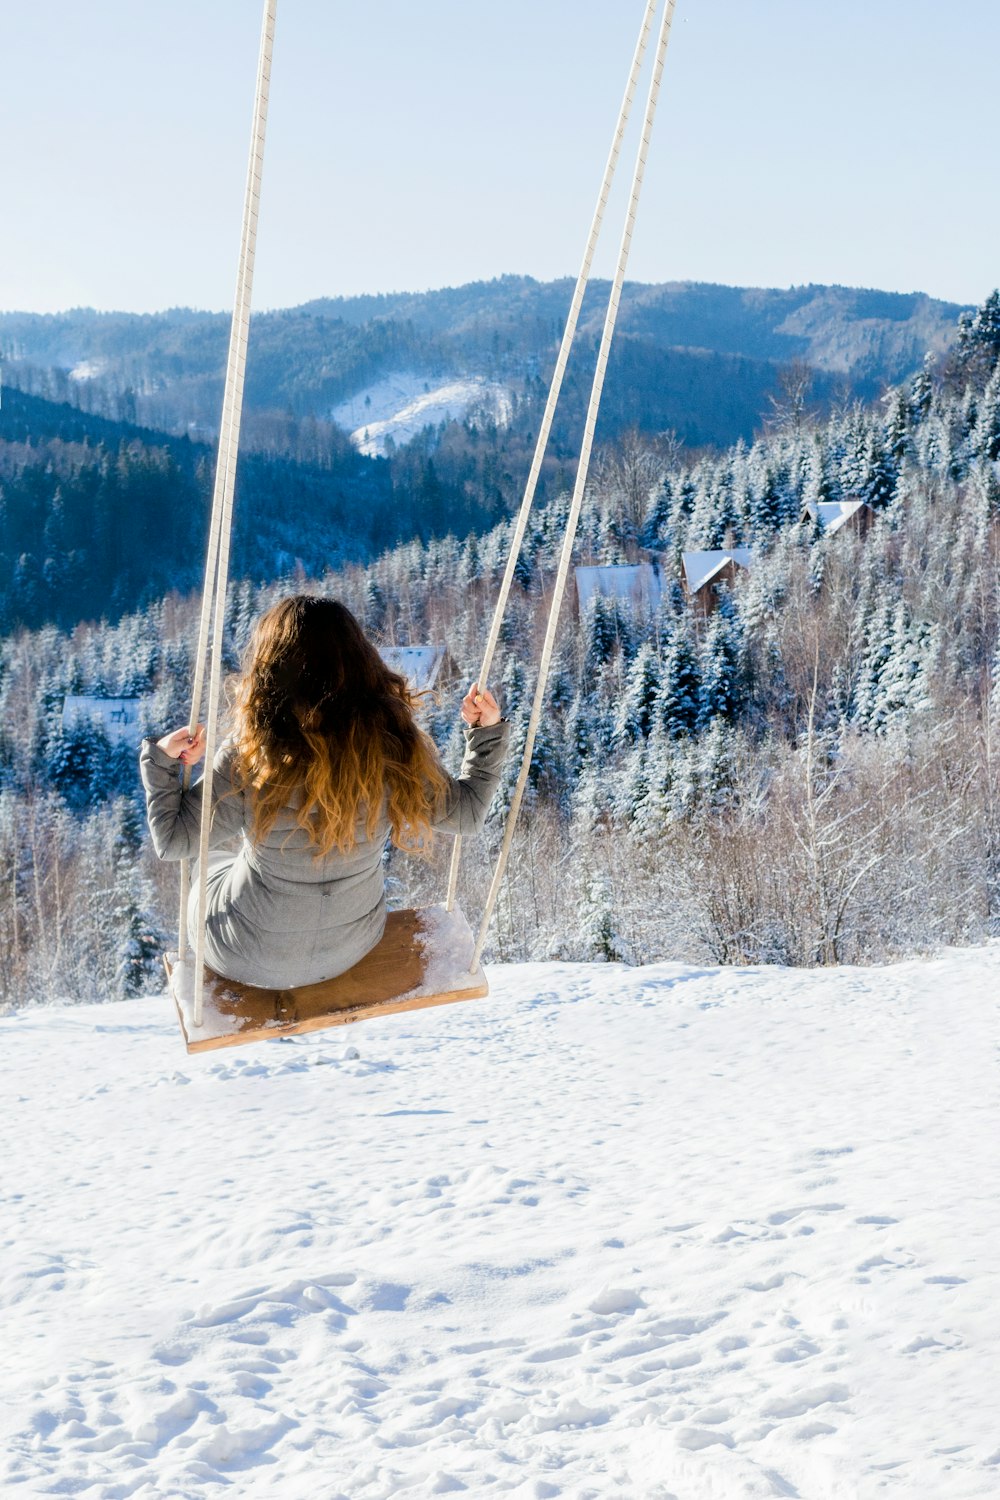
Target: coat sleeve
{"points": [[468, 797], [174, 814]]}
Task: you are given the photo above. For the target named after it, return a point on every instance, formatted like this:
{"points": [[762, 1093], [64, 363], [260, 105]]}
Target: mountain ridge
{"points": [[164, 370]]}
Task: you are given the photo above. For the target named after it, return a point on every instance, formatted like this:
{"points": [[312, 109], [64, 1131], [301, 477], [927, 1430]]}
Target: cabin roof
{"points": [[637, 583], [701, 567], [121, 718], [420, 665], [833, 514]]}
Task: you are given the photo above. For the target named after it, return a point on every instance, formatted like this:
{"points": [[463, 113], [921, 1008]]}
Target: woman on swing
{"points": [[324, 762]]}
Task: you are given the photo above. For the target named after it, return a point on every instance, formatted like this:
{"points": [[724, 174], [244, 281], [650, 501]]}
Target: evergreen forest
{"points": [[809, 774]]}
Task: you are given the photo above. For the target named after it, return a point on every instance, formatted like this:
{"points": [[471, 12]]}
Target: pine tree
{"points": [[766, 493], [978, 349], [654, 807], [600, 631], [994, 699], [578, 737], [815, 486], [898, 658], [681, 696], [721, 695], [714, 763], [876, 627], [904, 681], [639, 703], [595, 921], [921, 391], [655, 530], [632, 786], [987, 434], [137, 941], [75, 752], [896, 425]]}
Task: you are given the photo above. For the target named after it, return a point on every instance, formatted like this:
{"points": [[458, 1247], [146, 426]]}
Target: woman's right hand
{"points": [[183, 746], [480, 709]]}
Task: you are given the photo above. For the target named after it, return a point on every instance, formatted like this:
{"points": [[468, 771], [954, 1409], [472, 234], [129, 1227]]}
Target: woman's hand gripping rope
{"points": [[183, 746], [480, 709]]}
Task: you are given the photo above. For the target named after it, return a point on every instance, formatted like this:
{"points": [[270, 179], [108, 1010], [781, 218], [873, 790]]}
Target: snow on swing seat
{"points": [[421, 960]]}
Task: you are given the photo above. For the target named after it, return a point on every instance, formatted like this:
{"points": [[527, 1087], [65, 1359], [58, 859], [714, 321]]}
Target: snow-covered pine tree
{"points": [[721, 693], [681, 696], [132, 925], [637, 708], [596, 923], [986, 438], [600, 631], [977, 352], [655, 529]]}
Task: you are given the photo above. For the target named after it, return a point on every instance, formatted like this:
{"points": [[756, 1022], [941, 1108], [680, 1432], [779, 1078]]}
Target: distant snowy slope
{"points": [[611, 1234], [399, 407]]}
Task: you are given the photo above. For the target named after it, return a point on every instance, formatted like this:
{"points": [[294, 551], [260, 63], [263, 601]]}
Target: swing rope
{"points": [[555, 387], [220, 527], [213, 606], [579, 487]]}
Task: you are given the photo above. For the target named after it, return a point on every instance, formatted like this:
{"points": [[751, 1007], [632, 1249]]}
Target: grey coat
{"points": [[277, 916]]}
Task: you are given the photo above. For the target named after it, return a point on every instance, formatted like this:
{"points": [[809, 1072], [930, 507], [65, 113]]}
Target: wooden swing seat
{"points": [[422, 960]]}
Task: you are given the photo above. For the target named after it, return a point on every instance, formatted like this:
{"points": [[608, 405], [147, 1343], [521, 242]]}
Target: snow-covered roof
{"points": [[638, 583], [701, 567], [833, 514], [420, 665], [121, 718]]}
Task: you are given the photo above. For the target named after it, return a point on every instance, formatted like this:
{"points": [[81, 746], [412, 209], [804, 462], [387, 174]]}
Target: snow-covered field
{"points": [[403, 405], [610, 1233]]}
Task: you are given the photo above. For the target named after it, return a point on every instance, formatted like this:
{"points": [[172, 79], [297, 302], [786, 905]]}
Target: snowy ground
{"points": [[620, 1234], [402, 405]]}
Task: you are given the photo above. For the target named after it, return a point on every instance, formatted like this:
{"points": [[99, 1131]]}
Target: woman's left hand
{"points": [[480, 709]]}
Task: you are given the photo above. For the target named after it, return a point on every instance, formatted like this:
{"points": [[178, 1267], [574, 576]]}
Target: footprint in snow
{"points": [[812, 1430], [611, 1300], [557, 1351], [770, 1285], [792, 1353], [569, 1414], [806, 1401], [786, 1215], [172, 1354], [695, 1438]]}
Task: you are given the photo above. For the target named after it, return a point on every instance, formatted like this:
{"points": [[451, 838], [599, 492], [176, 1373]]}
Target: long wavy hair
{"points": [[323, 725]]}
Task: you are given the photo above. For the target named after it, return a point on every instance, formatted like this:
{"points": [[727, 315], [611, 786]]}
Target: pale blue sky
{"points": [[414, 146]]}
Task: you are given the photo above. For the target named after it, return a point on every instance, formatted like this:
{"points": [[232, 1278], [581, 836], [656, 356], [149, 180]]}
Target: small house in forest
{"points": [[706, 574], [422, 666], [839, 515], [120, 718], [637, 584]]}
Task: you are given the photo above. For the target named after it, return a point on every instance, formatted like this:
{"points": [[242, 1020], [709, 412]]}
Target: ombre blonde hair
{"points": [[323, 725]]}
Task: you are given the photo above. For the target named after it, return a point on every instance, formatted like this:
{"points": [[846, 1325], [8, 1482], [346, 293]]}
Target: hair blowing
{"points": [[321, 723]]}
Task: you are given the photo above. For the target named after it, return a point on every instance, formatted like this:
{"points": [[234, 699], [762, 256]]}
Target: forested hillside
{"points": [[810, 775], [98, 517], [700, 360], [101, 514]]}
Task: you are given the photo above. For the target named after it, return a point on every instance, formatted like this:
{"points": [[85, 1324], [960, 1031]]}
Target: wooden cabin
{"points": [[638, 584], [707, 573], [840, 515], [422, 666], [120, 718]]}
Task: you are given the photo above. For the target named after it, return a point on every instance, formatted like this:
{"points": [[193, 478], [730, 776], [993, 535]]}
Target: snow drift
{"points": [[610, 1233]]}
